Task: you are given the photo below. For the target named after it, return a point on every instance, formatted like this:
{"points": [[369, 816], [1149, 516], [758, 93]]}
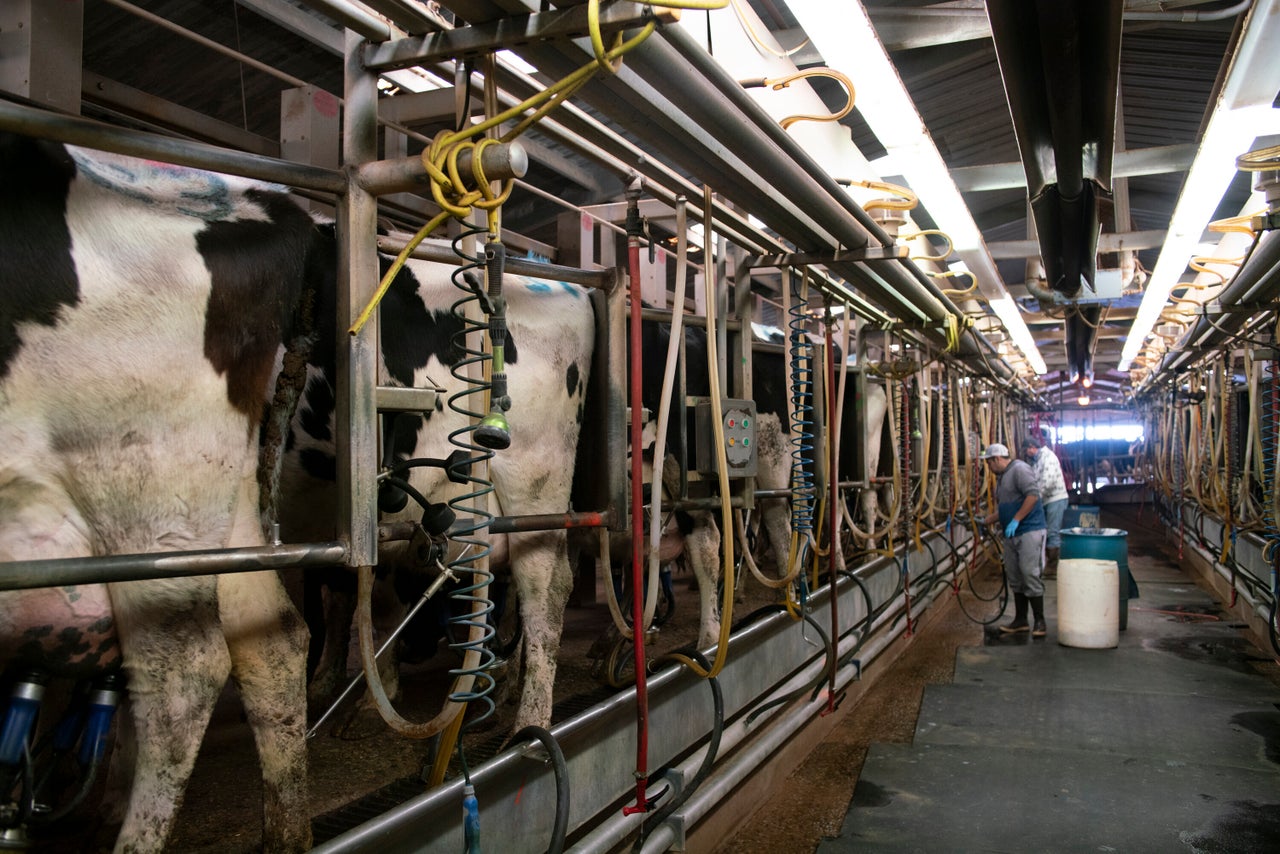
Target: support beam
{"points": [[41, 45], [1005, 249], [1157, 160], [158, 112]]}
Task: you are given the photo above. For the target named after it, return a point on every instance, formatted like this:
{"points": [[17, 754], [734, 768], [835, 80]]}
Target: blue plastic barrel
{"points": [[1102, 544]]}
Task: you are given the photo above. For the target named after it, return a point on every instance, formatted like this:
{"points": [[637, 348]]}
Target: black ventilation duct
{"points": [[1060, 62]]}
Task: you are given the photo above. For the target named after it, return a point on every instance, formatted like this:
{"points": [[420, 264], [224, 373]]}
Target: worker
{"points": [[1021, 517], [1053, 497]]}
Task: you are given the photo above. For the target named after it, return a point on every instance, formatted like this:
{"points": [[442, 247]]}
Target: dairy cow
{"points": [[775, 453], [701, 533], [548, 362], [141, 310]]}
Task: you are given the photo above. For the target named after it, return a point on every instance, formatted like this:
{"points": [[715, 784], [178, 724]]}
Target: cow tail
{"points": [[289, 385]]}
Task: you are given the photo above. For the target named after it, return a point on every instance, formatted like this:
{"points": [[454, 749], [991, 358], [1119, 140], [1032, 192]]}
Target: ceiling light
{"points": [[843, 35], [1243, 112], [409, 79], [1083, 400], [1007, 311]]}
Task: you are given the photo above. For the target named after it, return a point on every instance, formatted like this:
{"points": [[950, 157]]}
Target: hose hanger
{"points": [[780, 83]]}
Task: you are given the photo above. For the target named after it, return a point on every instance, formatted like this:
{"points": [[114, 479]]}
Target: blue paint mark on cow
{"points": [[538, 287], [210, 199]]}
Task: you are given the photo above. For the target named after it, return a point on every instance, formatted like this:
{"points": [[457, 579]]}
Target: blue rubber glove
{"points": [[1010, 528]]}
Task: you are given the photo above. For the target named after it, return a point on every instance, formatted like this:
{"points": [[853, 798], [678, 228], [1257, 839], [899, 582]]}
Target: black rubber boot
{"points": [[1051, 562], [1019, 623], [1038, 629]]}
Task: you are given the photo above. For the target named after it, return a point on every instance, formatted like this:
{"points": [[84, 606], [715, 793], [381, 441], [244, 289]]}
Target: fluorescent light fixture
{"points": [[411, 80], [843, 34], [1243, 112], [1229, 135], [1007, 311], [516, 62]]}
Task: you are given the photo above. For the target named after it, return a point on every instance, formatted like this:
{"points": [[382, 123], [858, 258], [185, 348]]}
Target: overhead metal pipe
{"points": [[63, 572], [675, 97], [356, 18], [74, 130], [1258, 281]]}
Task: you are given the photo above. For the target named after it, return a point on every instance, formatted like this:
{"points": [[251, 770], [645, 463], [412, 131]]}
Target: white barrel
{"points": [[1088, 603]]}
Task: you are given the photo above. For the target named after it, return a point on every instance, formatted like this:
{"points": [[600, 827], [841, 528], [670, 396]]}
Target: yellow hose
{"points": [[722, 466]]}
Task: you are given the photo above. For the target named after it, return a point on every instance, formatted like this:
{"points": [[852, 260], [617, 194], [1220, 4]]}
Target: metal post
{"points": [[357, 356]]}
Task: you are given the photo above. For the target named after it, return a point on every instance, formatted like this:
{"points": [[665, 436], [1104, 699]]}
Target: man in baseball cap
{"points": [[1020, 513]]}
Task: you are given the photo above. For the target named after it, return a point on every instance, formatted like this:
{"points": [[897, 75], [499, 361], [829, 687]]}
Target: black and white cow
{"points": [[548, 362], [141, 310], [702, 536]]}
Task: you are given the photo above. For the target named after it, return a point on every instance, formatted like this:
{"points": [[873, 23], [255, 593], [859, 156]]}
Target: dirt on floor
{"points": [[222, 810], [815, 798]]}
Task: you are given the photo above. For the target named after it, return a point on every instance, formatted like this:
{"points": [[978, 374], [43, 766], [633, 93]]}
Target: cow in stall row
{"points": [[142, 311], [550, 337], [775, 450]]}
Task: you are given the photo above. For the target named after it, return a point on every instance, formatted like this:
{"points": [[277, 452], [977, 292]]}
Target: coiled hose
{"points": [[1270, 510], [473, 680], [802, 485]]}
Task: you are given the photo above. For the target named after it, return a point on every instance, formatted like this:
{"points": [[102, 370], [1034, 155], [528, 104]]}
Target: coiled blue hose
{"points": [[1270, 439], [802, 485], [471, 507]]}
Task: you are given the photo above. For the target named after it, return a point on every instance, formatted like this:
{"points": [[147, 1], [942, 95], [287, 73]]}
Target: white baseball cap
{"points": [[994, 450]]}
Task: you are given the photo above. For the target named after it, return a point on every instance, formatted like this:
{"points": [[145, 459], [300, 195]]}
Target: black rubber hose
{"points": [[1001, 596], [926, 581], [81, 795], [866, 596], [704, 770], [560, 828], [1271, 627], [832, 662]]}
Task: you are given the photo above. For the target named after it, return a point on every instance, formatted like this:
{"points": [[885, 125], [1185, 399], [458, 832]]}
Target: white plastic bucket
{"points": [[1088, 603]]}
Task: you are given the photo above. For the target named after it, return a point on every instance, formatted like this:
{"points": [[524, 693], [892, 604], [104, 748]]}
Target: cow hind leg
{"points": [[177, 664], [702, 548], [540, 566], [268, 643], [337, 592]]}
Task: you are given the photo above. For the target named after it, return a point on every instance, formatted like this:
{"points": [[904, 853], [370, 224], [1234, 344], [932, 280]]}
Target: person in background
{"points": [[1053, 497], [1022, 519]]}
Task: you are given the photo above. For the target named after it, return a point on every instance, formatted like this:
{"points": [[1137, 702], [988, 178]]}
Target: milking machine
{"points": [[49, 771]]}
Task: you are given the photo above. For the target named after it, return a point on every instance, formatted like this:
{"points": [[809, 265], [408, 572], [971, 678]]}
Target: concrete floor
{"points": [[972, 742]]}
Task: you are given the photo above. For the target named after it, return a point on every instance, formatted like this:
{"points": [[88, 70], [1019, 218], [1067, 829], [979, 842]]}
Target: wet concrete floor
{"points": [[983, 742]]}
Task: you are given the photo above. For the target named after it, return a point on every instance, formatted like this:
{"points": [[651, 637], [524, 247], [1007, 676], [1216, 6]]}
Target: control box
{"points": [[739, 420]]}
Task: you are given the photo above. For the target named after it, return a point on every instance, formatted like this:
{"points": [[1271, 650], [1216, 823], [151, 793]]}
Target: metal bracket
{"points": [[396, 399], [1266, 221], [481, 39]]}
